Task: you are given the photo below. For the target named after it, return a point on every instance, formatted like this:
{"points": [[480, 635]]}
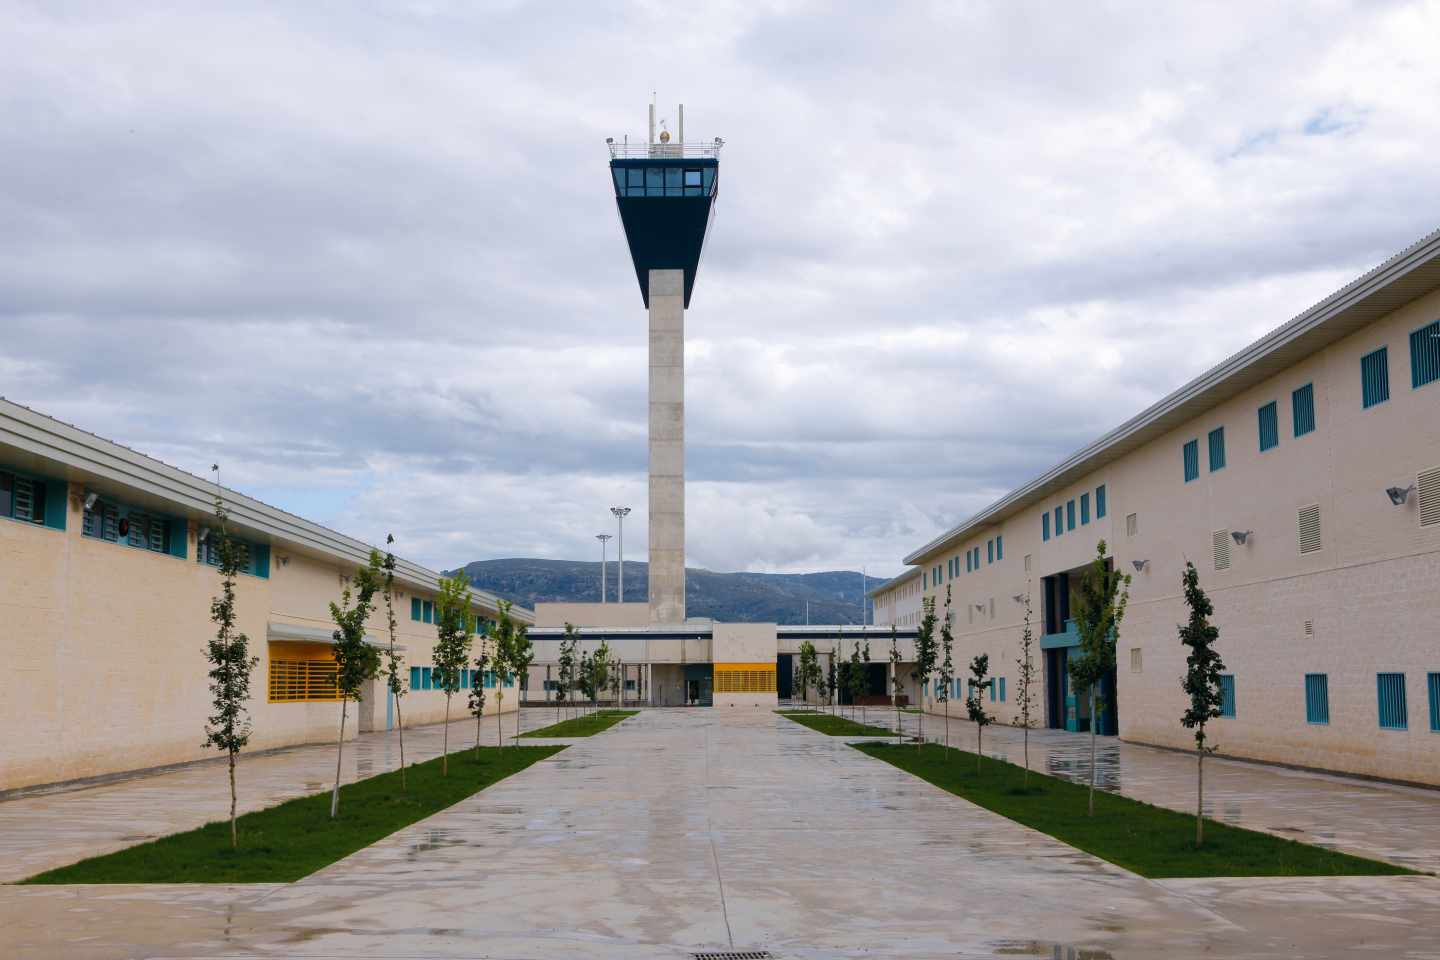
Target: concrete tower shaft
{"points": [[667, 446]]}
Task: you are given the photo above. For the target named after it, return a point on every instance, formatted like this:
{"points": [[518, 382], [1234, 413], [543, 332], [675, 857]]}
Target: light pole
{"points": [[602, 537], [620, 514]]}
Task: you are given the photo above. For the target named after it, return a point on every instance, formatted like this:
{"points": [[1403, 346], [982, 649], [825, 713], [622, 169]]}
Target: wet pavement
{"points": [[679, 831], [1374, 819]]}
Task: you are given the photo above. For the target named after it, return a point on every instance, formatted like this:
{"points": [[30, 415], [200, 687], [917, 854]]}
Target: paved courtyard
{"points": [[719, 830]]}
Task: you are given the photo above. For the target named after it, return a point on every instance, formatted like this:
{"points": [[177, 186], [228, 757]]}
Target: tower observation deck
{"points": [[666, 195]]}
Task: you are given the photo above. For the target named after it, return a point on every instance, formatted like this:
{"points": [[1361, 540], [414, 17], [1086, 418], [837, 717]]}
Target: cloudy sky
{"points": [[366, 256]]}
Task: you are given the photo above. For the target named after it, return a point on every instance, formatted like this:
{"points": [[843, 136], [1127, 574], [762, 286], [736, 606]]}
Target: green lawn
{"points": [[1151, 841], [835, 726], [296, 838], [586, 726]]}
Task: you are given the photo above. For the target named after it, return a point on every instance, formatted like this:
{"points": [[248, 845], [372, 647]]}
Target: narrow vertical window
{"points": [[1227, 695], [1192, 460], [1375, 378], [1390, 692], [1433, 682], [1425, 355], [1269, 427], [999, 547], [1059, 521], [989, 551], [1302, 406], [1084, 509], [1100, 502], [1217, 449], [1045, 526], [1317, 698]]}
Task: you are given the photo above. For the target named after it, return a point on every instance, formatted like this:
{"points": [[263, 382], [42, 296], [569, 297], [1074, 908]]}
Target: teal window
{"points": [[654, 182], [1317, 698], [489, 679], [1217, 449], [1433, 682], [1002, 689], [1390, 692], [1227, 695], [999, 547], [1425, 355], [1045, 526], [1100, 502], [1059, 521], [254, 557], [991, 685], [1375, 378], [1070, 515], [989, 551], [1269, 427], [414, 678], [32, 499], [464, 679], [415, 609], [427, 612], [1302, 406], [1084, 509], [425, 678], [118, 523], [1192, 460]]}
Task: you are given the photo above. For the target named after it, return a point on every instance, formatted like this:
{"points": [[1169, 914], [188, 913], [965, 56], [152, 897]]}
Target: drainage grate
{"points": [[733, 955]]}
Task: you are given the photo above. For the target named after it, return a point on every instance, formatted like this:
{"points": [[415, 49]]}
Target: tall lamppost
{"points": [[602, 537], [620, 514]]}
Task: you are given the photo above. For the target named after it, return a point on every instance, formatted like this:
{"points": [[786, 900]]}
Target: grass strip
{"points": [[286, 842], [1152, 841], [586, 726], [835, 726]]}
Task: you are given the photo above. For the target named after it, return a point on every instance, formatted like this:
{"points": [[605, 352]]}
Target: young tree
{"points": [[600, 668], [566, 674], [586, 680], [896, 684], [1201, 683], [356, 662], [831, 681], [228, 653], [855, 678], [502, 652], [865, 659], [924, 659], [947, 666], [1025, 685], [975, 703], [451, 654], [394, 671], [1099, 607], [805, 674], [477, 689], [522, 654]]}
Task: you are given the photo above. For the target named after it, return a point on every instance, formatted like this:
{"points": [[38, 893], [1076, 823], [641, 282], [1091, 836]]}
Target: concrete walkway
{"points": [[62, 826], [708, 830], [1383, 821]]}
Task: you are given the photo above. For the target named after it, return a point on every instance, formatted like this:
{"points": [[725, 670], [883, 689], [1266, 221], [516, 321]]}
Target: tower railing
{"points": [[665, 151]]}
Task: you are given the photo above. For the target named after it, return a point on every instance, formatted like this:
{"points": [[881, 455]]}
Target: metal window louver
{"points": [[1390, 694], [1191, 457], [1132, 525], [1302, 406], [1227, 695], [1427, 496], [1269, 427], [1309, 527], [1317, 698], [1375, 378], [1100, 502], [23, 506], [1217, 449], [1432, 682], [1425, 355], [1220, 548]]}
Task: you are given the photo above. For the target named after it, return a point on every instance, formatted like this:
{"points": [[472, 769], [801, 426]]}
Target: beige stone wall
{"points": [[592, 614], [106, 648], [1369, 593]]}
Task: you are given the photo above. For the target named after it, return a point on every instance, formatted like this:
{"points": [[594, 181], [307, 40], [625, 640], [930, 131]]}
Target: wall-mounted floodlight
{"points": [[979, 608], [1399, 495], [1018, 598], [90, 500], [1241, 536], [1140, 564]]}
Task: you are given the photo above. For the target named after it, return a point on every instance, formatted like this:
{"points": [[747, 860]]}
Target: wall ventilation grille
{"points": [[733, 955], [1427, 487], [1132, 525], [1309, 629], [1309, 518], [1136, 660], [1220, 541], [1027, 563]]}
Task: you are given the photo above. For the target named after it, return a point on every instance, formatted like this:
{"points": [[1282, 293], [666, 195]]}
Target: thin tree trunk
{"points": [[339, 752], [234, 837], [1027, 757], [517, 721], [1092, 750], [400, 727], [499, 713], [1200, 798], [445, 740], [947, 724], [979, 745], [477, 733]]}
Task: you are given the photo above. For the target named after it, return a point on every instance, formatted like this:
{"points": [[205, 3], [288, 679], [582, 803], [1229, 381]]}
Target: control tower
{"points": [[665, 189]]}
